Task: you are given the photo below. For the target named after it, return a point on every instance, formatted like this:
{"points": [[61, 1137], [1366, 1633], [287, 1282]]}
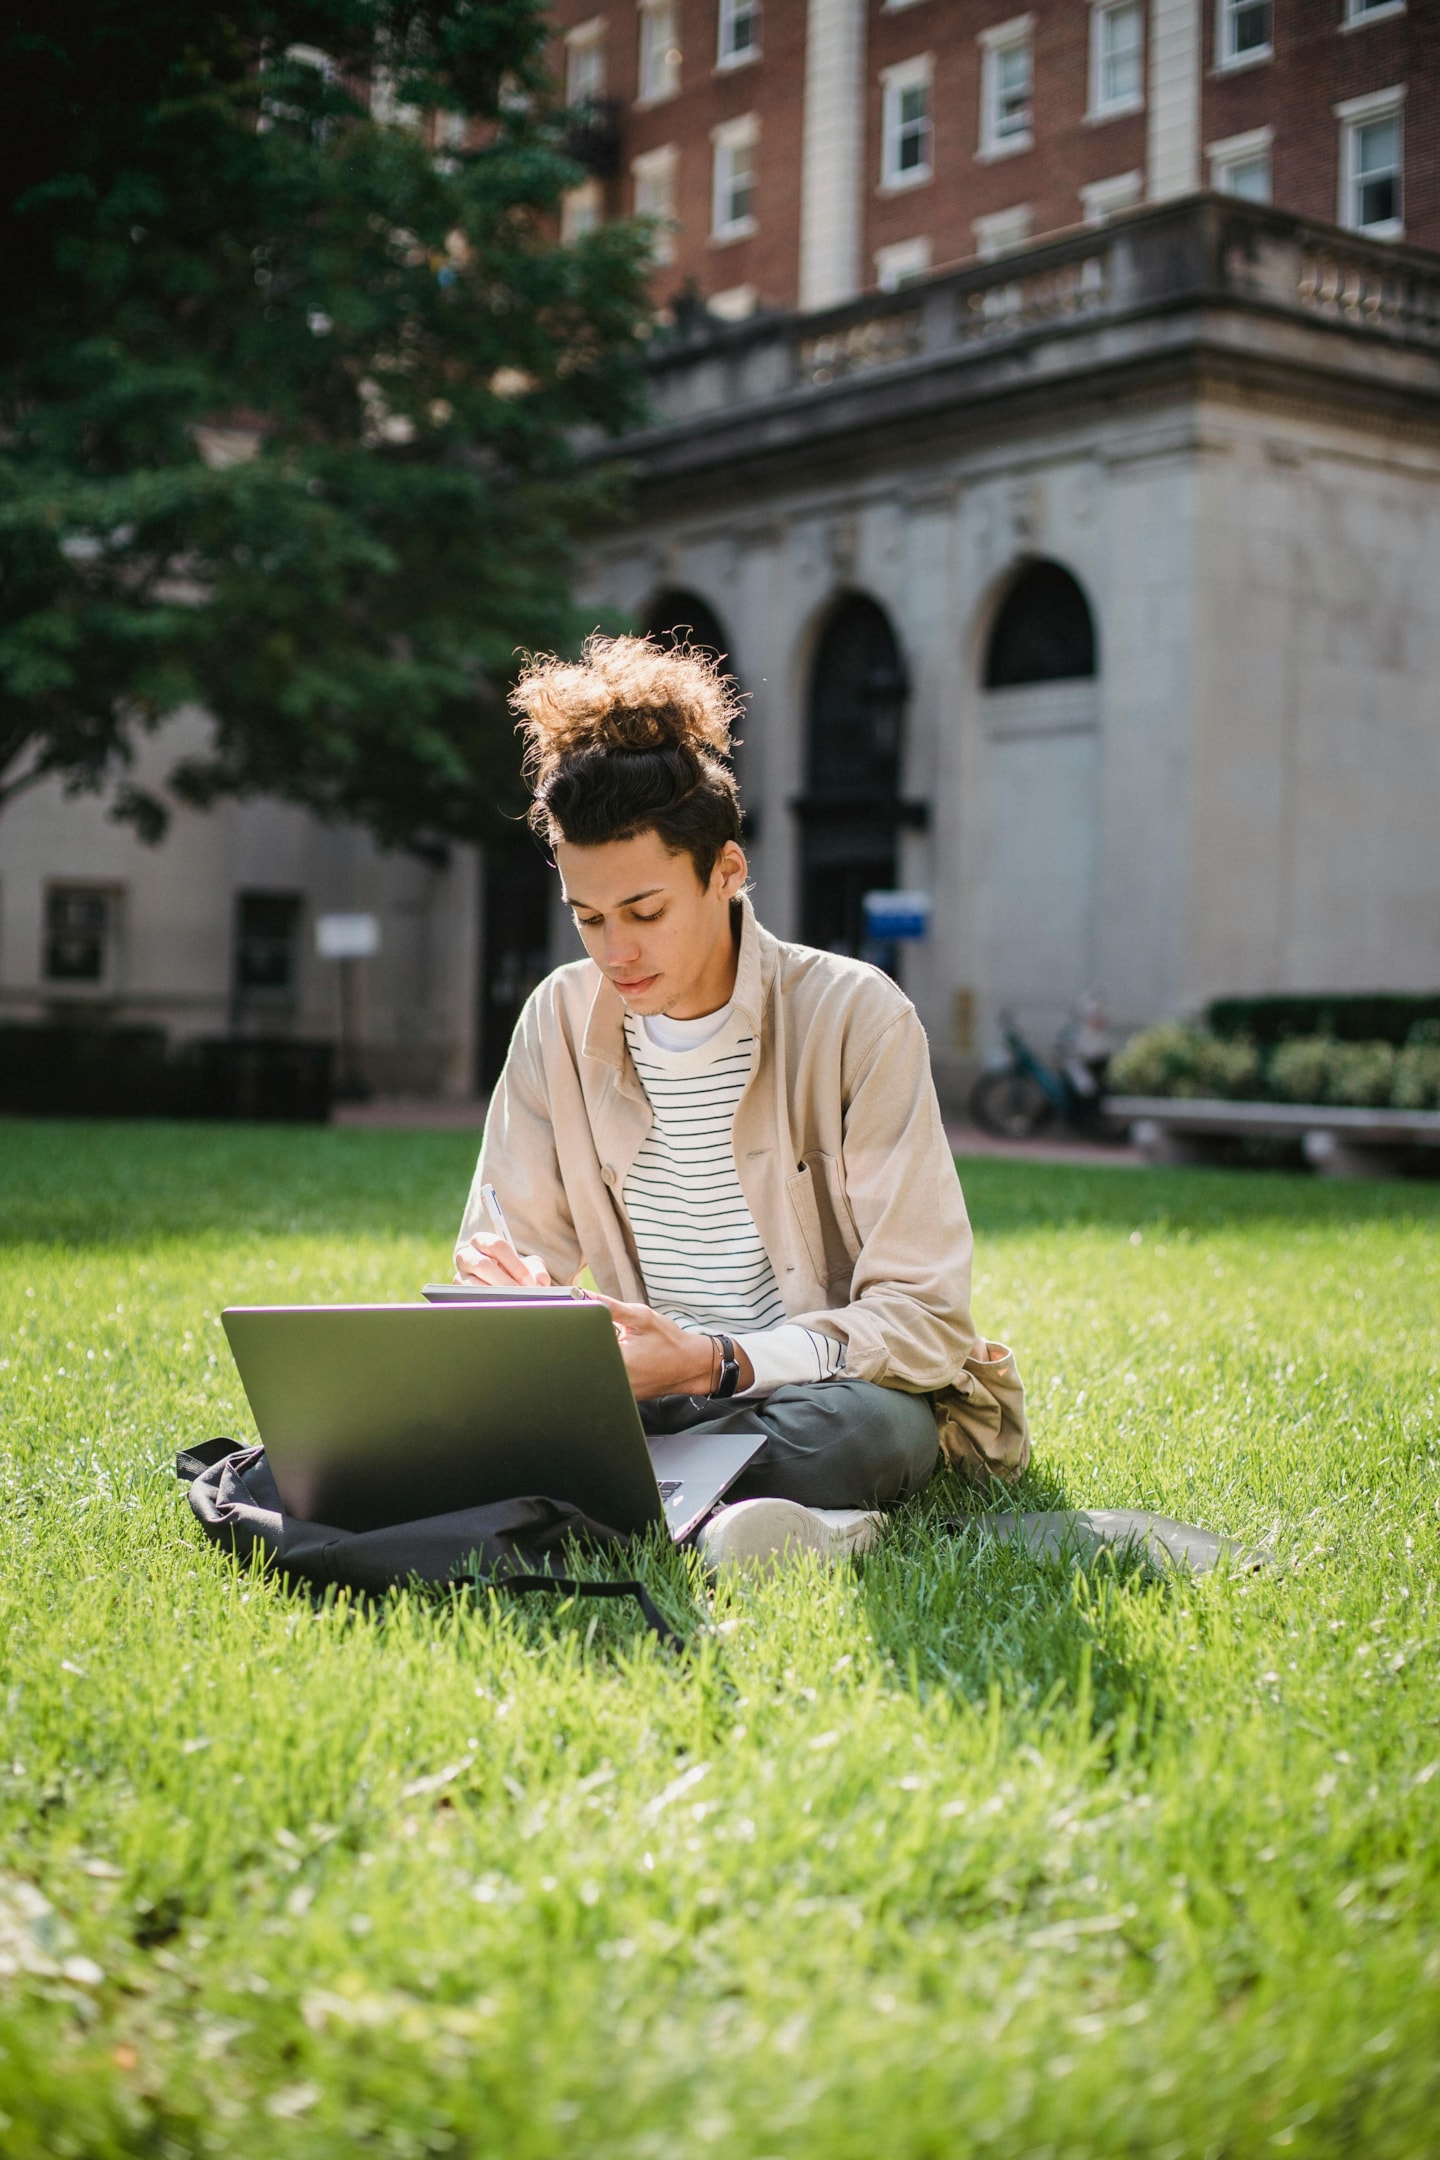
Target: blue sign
{"points": [[890, 916]]}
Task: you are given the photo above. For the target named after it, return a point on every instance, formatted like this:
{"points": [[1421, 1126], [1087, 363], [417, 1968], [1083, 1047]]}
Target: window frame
{"points": [[650, 12], [917, 73], [1003, 232], [742, 133], [1229, 62], [1113, 109], [663, 160], [728, 59], [903, 262], [111, 897], [1354, 114], [273, 996], [1232, 152], [582, 210], [587, 39], [1359, 17], [1018, 34], [1111, 197]]}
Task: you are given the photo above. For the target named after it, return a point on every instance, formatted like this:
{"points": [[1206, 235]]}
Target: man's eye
{"points": [[651, 918], [591, 922]]}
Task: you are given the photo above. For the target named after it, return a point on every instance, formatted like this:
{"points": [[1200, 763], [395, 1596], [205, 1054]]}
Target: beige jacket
{"points": [[840, 1154]]}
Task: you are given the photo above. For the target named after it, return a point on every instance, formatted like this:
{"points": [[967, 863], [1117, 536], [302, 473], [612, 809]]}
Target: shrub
{"points": [[1300, 1069], [1173, 1059], [1417, 1069]]}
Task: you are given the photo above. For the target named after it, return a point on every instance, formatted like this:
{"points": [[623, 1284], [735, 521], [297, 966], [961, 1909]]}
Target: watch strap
{"points": [[729, 1378]]}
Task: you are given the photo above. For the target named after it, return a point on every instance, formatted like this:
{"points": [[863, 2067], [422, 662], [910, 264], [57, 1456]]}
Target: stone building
{"points": [[1074, 533], [1090, 592]]}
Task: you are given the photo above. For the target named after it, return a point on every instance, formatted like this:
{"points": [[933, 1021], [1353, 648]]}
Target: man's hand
{"points": [[488, 1259], [663, 1359]]}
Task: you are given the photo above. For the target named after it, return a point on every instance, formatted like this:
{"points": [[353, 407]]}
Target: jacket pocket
{"points": [[817, 1193], [806, 1208], [981, 1423]]}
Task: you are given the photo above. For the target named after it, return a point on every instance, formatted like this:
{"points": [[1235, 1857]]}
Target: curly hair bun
{"points": [[623, 693]]}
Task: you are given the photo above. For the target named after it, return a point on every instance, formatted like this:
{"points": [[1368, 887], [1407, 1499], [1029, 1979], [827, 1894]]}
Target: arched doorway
{"points": [[1040, 712], [851, 812], [676, 617]]}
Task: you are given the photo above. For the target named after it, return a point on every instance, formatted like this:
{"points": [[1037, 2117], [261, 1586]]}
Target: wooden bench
{"points": [[1336, 1142]]}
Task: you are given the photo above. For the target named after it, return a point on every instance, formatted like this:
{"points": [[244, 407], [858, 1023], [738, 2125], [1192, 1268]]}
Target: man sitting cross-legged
{"points": [[738, 1137]]}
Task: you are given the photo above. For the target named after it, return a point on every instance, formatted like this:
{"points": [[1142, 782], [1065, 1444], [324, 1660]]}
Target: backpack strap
{"points": [[571, 1586]]}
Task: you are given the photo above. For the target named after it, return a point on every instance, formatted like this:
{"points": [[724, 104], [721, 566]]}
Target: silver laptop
{"points": [[378, 1414]]}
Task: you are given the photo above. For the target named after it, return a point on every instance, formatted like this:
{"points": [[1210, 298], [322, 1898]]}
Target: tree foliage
{"points": [[292, 394]]}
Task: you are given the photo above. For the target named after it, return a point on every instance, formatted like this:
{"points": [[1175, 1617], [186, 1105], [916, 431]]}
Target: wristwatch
{"points": [[729, 1378]]}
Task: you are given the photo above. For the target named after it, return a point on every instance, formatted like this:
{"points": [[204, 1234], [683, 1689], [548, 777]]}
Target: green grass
{"points": [[956, 1853]]}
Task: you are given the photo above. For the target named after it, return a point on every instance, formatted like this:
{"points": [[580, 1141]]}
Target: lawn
{"points": [[958, 1852]]}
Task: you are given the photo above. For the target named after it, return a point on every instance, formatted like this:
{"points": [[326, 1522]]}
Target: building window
{"points": [[1117, 58], [905, 124], [1043, 633], [267, 947], [735, 304], [1002, 232], [733, 200], [659, 51], [654, 177], [1105, 199], [739, 32], [1358, 12], [1372, 152], [902, 263], [581, 209], [80, 935], [1243, 30], [585, 62], [1240, 165], [1006, 77]]}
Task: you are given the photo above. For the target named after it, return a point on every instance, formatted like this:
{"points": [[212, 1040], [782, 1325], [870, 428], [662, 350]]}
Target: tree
{"points": [[294, 378]]}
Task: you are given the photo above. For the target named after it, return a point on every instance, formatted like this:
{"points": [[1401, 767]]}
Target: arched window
{"points": [[1043, 633]]}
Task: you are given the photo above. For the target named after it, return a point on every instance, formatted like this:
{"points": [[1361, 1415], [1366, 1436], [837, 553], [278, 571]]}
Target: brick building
{"points": [[796, 153]]}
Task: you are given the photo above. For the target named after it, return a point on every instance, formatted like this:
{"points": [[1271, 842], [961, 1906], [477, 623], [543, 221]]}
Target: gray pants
{"points": [[840, 1443]]}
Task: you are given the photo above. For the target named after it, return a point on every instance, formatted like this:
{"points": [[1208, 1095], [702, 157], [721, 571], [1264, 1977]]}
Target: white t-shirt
{"points": [[699, 1250]]}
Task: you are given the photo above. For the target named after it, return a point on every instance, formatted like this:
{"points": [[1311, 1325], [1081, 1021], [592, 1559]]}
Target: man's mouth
{"points": [[638, 987]]}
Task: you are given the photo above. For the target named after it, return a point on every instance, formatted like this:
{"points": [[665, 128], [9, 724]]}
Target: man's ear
{"points": [[733, 869]]}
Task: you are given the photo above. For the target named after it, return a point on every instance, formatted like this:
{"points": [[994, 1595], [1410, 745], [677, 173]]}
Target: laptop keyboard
{"points": [[669, 1486]]}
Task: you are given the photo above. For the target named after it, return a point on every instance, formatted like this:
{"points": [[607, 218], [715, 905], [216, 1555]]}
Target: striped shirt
{"points": [[699, 1250]]}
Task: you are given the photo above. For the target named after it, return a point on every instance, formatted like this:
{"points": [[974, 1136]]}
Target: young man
{"points": [[738, 1137]]}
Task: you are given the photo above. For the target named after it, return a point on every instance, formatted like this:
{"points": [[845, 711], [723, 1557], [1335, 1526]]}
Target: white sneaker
{"points": [[756, 1533]]}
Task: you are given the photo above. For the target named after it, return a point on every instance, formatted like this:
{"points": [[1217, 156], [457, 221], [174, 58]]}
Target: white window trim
{"points": [[901, 261], [725, 62], [894, 7], [915, 74], [1000, 37], [1103, 199], [1095, 110], [646, 100], [735, 304], [1236, 63], [660, 163], [739, 134], [576, 206], [1003, 232], [584, 37], [1237, 150], [1352, 113], [1361, 18]]}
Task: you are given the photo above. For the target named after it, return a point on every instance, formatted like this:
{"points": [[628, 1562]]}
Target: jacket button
{"points": [[607, 1175]]}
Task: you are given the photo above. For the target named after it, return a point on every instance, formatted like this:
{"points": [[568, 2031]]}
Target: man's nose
{"points": [[621, 945]]}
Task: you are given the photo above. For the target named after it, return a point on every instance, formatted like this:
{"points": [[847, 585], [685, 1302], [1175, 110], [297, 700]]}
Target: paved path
{"points": [[416, 1113]]}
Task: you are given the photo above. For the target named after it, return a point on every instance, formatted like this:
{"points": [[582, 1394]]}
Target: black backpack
{"points": [[512, 1545]]}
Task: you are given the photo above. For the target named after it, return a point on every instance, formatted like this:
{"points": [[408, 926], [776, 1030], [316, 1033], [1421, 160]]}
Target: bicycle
{"points": [[1018, 1099]]}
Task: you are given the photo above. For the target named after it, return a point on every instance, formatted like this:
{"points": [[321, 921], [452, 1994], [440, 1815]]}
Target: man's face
{"points": [[663, 938]]}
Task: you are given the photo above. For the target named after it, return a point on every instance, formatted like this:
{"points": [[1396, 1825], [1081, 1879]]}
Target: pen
{"points": [[496, 1213]]}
